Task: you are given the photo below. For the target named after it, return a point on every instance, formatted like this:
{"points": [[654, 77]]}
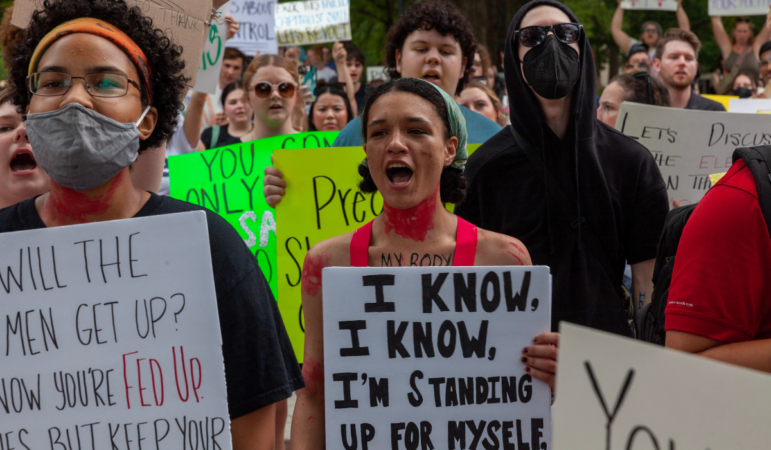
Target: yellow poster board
{"points": [[322, 201], [722, 99]]}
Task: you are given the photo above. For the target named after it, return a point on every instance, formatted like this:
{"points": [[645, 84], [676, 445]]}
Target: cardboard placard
{"points": [[322, 201], [654, 5], [213, 53], [377, 73], [185, 22], [313, 22], [428, 357], [750, 105], [112, 336], [689, 145], [619, 393], [229, 181], [257, 27], [738, 7]]}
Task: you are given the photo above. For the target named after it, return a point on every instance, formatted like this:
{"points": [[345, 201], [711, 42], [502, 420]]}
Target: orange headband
{"points": [[99, 28]]}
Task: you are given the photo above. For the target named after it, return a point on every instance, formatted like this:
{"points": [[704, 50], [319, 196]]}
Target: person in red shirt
{"points": [[720, 298]]}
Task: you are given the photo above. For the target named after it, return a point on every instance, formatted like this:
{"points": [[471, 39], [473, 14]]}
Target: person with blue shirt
{"points": [[431, 41]]}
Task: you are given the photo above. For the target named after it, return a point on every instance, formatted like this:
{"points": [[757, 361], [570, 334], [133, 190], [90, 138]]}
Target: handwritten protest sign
{"points": [[313, 22], [689, 146], [257, 27], [377, 73], [213, 51], [656, 5], [738, 7], [322, 201], [429, 357], [184, 22], [228, 181], [618, 393], [111, 337], [750, 105]]}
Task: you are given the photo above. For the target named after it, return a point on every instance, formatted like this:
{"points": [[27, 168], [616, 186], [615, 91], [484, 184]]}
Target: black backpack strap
{"points": [[758, 160], [568, 206]]}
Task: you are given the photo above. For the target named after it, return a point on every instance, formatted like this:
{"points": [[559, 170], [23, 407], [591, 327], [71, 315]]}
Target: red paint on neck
{"points": [[311, 282], [71, 206], [412, 223]]}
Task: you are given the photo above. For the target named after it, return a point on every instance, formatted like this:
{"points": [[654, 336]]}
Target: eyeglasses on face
{"points": [[51, 84], [651, 30], [640, 65], [567, 33], [263, 89]]}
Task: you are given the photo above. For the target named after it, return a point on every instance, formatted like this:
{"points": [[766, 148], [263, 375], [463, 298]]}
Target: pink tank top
{"points": [[465, 245]]}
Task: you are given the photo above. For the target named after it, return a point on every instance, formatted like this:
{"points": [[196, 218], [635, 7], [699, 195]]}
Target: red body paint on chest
{"points": [[71, 205], [311, 283], [413, 223]]}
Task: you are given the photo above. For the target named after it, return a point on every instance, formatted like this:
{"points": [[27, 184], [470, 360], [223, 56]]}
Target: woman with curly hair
{"points": [[431, 41], [101, 84], [416, 154]]}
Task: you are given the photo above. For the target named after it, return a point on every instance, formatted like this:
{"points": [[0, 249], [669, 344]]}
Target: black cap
{"points": [[765, 47], [636, 49]]}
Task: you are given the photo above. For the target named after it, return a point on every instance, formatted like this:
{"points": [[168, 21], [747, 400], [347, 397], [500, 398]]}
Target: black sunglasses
{"points": [[567, 33], [647, 77]]}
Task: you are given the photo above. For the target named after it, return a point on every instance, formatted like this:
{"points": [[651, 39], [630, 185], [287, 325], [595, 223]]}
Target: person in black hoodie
{"points": [[582, 197]]}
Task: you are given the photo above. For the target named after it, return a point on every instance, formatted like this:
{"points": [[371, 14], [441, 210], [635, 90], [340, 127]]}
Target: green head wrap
{"points": [[457, 128]]}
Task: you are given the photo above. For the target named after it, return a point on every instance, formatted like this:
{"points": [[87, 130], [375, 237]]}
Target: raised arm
{"points": [[622, 39], [764, 35], [343, 76], [682, 17], [193, 118], [721, 37]]}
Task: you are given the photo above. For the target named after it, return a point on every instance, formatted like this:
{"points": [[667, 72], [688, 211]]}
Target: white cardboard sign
{"points": [[738, 7], [428, 357], [750, 105], [689, 145], [656, 5], [111, 337], [654, 398], [377, 73], [213, 52], [313, 22], [257, 27]]}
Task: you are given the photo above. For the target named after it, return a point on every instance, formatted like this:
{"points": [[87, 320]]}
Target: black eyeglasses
{"points": [[640, 66], [51, 84], [567, 33], [647, 77]]}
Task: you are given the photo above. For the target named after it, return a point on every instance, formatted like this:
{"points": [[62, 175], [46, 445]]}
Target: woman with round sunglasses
{"points": [[100, 84], [582, 197], [331, 111], [272, 90], [415, 157]]}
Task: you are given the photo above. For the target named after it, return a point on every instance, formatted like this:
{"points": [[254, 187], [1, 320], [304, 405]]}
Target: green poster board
{"points": [[228, 181], [322, 201]]}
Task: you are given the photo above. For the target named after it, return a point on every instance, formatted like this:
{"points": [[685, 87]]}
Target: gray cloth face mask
{"points": [[81, 149]]}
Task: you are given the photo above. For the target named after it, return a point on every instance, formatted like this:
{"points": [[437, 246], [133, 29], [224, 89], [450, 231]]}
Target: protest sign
{"points": [[738, 7], [257, 27], [111, 337], [322, 201], [228, 181], [656, 5], [213, 51], [185, 22], [750, 105], [689, 145], [722, 99], [430, 357], [313, 22], [619, 393], [377, 73]]}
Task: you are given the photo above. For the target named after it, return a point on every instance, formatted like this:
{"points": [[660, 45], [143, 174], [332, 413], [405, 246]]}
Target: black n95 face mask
{"points": [[552, 68]]}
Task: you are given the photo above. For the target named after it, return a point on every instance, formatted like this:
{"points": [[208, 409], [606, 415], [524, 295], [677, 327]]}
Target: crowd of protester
{"points": [[551, 184]]}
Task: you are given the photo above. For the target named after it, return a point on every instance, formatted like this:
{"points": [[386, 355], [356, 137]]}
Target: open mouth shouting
{"points": [[398, 173], [432, 76], [23, 163]]}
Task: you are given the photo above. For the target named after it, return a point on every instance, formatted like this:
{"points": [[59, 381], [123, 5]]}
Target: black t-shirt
{"points": [[222, 140], [508, 196], [361, 96], [260, 365], [704, 104]]}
